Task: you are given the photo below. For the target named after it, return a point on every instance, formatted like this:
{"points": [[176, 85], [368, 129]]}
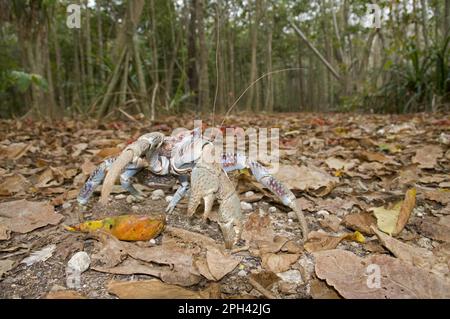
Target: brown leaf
{"points": [[258, 227], [278, 262], [427, 156], [440, 195], [405, 211], [415, 256], [266, 278], [4, 232], [320, 290], [348, 274], [22, 216], [331, 222], [5, 266], [14, 184], [220, 264], [375, 157], [306, 178], [112, 251], [360, 222], [321, 241], [152, 289], [340, 164], [190, 237], [14, 151], [64, 294], [437, 230], [169, 262]]}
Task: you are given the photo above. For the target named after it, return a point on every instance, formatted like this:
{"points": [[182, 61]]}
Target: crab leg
{"points": [[99, 174], [145, 144], [232, 162], [179, 194]]}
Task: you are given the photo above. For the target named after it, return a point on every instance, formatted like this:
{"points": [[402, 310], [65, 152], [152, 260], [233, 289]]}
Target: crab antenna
{"points": [[253, 83]]}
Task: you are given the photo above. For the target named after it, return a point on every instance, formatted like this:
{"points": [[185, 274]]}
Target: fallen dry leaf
{"points": [[331, 222], [4, 232], [360, 222], [393, 220], [306, 178], [349, 275], [22, 216], [278, 262], [441, 196], [340, 164], [14, 151], [266, 278], [427, 156], [318, 241], [124, 227], [436, 228], [40, 255], [415, 256], [320, 290], [14, 184], [220, 264], [5, 266], [258, 227], [152, 289], [64, 294]]}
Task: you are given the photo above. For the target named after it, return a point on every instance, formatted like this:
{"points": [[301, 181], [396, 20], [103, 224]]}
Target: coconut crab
{"points": [[194, 160]]}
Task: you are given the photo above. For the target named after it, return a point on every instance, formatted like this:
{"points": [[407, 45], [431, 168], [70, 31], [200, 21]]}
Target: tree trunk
{"points": [[203, 87], [253, 65]]}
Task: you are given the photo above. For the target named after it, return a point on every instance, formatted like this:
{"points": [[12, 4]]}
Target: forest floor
{"points": [[375, 190]]}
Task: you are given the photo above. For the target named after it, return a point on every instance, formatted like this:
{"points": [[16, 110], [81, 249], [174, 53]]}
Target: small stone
{"points": [[287, 287], [66, 205], [292, 215], [290, 221], [292, 276], [323, 212], [79, 262], [249, 194], [130, 199], [169, 199], [120, 196], [246, 206], [152, 241], [425, 242], [419, 214], [157, 194], [272, 209], [134, 207], [242, 273]]}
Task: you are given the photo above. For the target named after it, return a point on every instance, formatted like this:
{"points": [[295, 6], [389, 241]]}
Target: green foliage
{"points": [[23, 80]]}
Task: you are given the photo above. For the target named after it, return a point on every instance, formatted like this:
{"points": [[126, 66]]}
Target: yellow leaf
{"points": [[393, 220], [124, 227]]}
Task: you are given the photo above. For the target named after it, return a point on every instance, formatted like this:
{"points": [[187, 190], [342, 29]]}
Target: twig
{"points": [[128, 115], [239, 249], [266, 293]]}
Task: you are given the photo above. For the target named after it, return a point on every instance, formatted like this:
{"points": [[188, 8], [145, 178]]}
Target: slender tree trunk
{"points": [[59, 70], [90, 70], [192, 53], [100, 54], [269, 94], [253, 65], [204, 101]]}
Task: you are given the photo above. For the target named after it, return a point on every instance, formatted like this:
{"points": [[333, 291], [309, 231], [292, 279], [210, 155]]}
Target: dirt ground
{"points": [[351, 164]]}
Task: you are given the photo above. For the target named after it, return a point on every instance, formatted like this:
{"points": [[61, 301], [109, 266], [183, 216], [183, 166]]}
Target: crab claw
{"points": [[145, 144]]}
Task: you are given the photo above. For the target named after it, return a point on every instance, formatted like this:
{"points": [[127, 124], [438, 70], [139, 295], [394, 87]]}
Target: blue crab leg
{"points": [[231, 162], [99, 174], [179, 194]]}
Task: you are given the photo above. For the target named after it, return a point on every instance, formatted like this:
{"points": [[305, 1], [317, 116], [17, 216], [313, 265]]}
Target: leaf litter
{"points": [[345, 171]]}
